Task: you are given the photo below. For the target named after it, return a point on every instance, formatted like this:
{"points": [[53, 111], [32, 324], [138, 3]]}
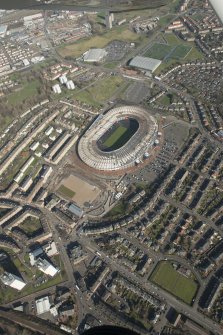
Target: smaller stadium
{"points": [[119, 139]]}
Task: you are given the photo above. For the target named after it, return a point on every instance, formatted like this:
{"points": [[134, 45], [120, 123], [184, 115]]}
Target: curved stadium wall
{"points": [[117, 139]]}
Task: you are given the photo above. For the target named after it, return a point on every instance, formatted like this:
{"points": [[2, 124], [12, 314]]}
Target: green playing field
{"points": [[174, 282], [115, 136]]}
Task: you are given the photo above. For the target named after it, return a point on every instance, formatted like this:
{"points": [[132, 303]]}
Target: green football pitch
{"points": [[115, 136], [180, 51], [174, 282], [159, 51]]}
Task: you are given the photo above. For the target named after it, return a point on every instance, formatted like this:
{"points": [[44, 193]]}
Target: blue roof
{"points": [[3, 29], [75, 210]]}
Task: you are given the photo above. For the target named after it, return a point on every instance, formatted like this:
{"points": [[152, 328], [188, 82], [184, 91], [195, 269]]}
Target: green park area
{"points": [[118, 210], [65, 191], [100, 91], [28, 90], [30, 226], [167, 277]]}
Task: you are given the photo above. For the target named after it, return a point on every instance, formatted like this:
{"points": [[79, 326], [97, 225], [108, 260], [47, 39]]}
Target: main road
{"points": [[144, 284]]}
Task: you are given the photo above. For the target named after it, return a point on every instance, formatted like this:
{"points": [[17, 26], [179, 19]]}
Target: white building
{"points": [[49, 130], [145, 63], [63, 79], [34, 254], [26, 62], [50, 249], [3, 30], [70, 85], [47, 268], [56, 88], [12, 280], [34, 146], [42, 305], [94, 55]]}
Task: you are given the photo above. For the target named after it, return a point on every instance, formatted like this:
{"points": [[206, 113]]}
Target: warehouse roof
{"points": [[75, 210], [217, 5], [145, 63], [42, 305], [94, 55]]}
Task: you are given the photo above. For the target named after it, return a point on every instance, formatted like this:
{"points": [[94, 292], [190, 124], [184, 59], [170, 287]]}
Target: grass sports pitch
{"points": [[118, 135], [174, 282], [159, 51], [65, 191], [180, 51], [115, 136]]}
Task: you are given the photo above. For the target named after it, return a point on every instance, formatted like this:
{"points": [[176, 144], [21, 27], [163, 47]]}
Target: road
{"points": [[143, 283]]}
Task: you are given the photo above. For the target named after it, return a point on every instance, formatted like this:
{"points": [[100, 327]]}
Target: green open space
{"points": [[30, 225], [118, 209], [174, 282], [100, 91], [121, 33], [28, 90], [65, 191], [180, 51], [159, 51]]}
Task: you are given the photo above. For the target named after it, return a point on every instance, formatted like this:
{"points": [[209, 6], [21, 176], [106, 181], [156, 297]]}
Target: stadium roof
{"points": [[94, 55], [145, 63], [218, 7]]}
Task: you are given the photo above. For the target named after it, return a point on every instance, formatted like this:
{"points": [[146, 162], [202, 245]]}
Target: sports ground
{"points": [[78, 190], [118, 135], [174, 282], [163, 51]]}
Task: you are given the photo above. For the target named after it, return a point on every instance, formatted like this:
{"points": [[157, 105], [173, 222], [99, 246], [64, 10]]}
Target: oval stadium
{"points": [[119, 139]]}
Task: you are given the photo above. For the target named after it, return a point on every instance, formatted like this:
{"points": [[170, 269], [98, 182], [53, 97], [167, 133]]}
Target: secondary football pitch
{"points": [[180, 51], [174, 282], [159, 51]]}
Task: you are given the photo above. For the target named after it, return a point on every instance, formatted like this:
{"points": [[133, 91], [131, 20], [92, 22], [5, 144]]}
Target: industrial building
{"points": [[42, 305], [74, 209], [94, 55], [145, 63], [12, 280]]}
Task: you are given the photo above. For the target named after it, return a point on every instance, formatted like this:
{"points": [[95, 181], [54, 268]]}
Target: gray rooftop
{"points": [[75, 210], [145, 63], [94, 55]]}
